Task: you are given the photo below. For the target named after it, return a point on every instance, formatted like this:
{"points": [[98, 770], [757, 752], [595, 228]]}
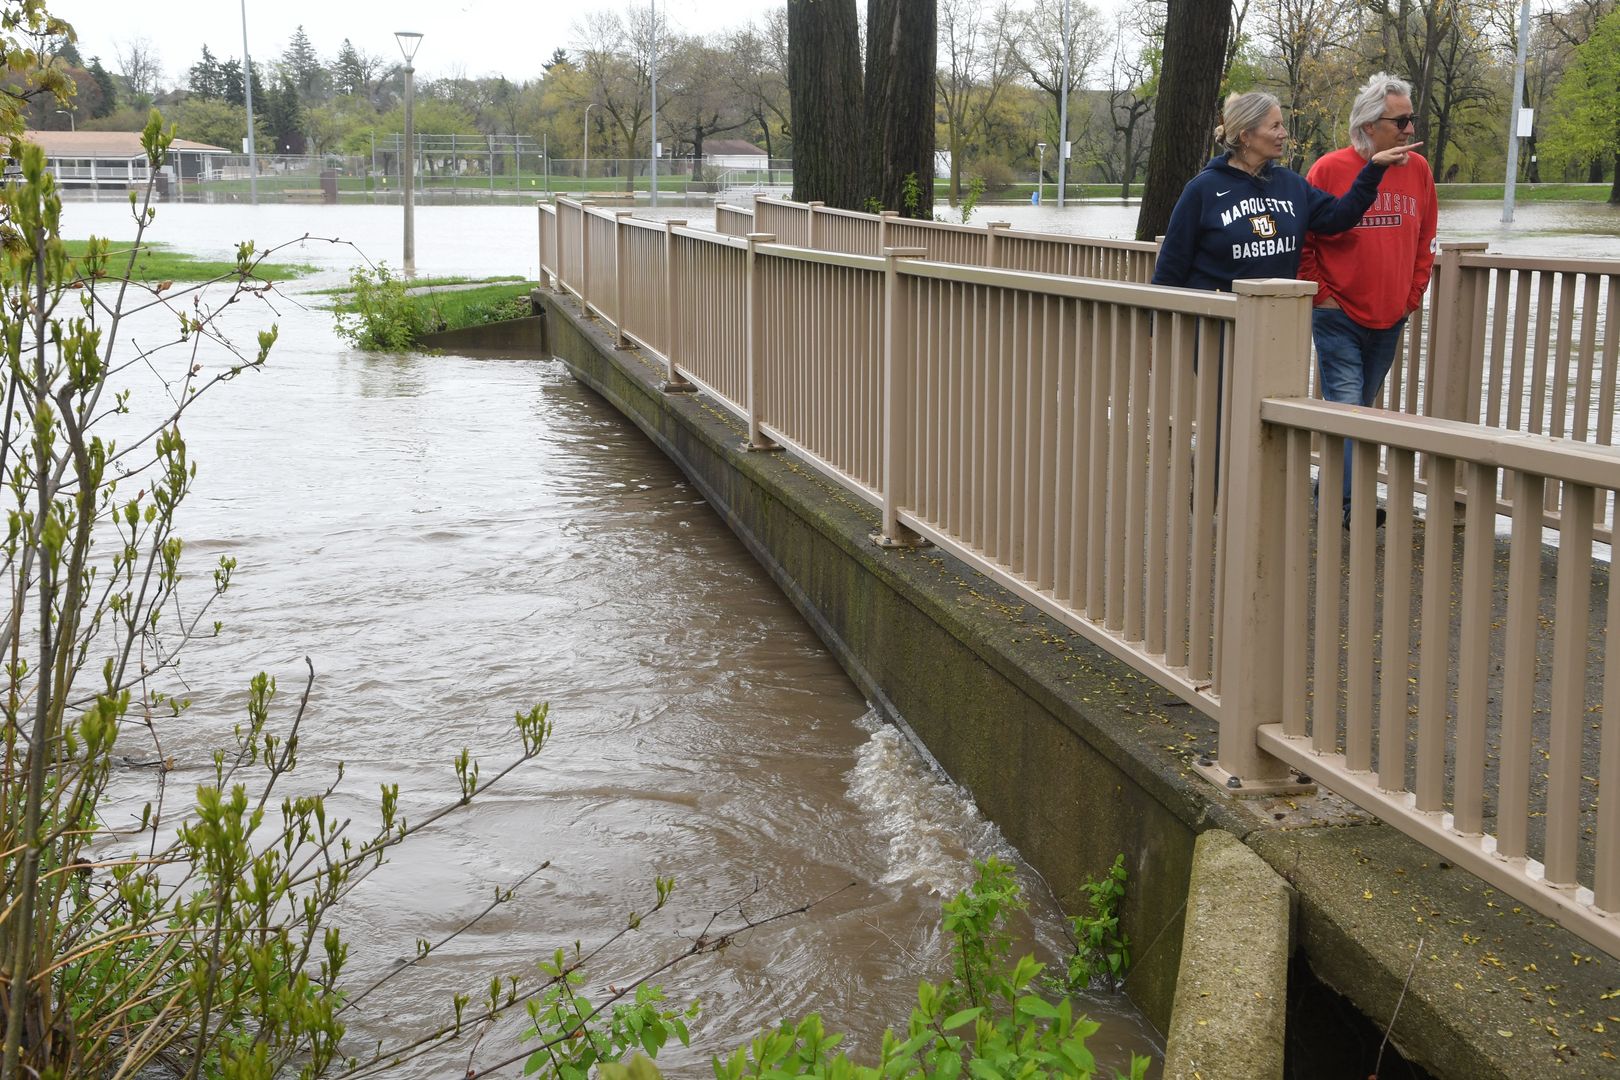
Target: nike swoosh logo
{"points": [[1218, 194]]}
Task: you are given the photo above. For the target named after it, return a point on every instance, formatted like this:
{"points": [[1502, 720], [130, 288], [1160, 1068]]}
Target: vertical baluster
{"points": [[1435, 641], [1519, 356], [1606, 881], [1540, 360], [1118, 451], [1559, 425], [1586, 357], [1159, 494], [1500, 367], [1473, 654], [1329, 582], [1296, 583], [1097, 513], [1136, 478], [1208, 360], [1572, 623], [1519, 668], [1080, 361], [1395, 653], [1178, 361], [1362, 589]]}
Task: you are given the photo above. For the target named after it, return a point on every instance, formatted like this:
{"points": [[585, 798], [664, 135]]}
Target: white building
{"points": [[115, 159], [733, 154]]}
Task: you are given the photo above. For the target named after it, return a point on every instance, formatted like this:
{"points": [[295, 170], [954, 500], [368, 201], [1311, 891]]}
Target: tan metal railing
{"points": [[813, 225], [733, 220], [1396, 655], [1070, 439]]}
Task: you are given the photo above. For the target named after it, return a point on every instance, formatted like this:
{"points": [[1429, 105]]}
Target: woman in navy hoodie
{"points": [[1246, 217]]}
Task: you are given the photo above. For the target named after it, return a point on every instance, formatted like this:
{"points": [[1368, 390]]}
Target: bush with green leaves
{"points": [[378, 315], [1102, 952]]}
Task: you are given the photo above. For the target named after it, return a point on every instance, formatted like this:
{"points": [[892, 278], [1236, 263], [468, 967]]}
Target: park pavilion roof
{"points": [[119, 145]]}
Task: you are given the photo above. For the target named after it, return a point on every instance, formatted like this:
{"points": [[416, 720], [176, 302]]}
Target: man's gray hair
{"points": [[1369, 106]]}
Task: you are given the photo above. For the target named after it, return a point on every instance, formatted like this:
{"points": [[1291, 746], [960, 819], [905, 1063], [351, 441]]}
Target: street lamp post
{"points": [[654, 68], [1514, 112], [585, 169], [69, 114], [1040, 173], [1063, 116], [247, 89], [409, 41]]}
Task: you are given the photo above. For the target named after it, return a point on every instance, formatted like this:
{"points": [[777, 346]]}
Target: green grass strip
{"points": [[157, 262]]}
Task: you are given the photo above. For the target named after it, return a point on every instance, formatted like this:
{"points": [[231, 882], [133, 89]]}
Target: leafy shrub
{"points": [[996, 174], [1102, 953], [378, 314]]}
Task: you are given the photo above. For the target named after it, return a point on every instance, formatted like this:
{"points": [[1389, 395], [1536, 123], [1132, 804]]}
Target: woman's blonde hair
{"points": [[1243, 113]]}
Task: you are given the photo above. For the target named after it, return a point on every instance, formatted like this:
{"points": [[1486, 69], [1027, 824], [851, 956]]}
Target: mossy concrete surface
{"points": [[1077, 758], [1232, 992], [509, 337]]}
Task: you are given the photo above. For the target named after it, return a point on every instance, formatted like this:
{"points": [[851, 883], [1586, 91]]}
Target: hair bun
{"points": [[1220, 132]]}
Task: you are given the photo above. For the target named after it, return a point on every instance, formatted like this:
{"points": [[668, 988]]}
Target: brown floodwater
{"points": [[450, 540]]}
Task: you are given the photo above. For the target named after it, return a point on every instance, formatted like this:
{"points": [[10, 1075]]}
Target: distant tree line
{"points": [[997, 86]]}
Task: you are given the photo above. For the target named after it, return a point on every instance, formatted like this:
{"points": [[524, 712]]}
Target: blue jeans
{"points": [[1351, 362]]}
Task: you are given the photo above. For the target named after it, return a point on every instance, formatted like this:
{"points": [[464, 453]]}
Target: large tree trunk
{"points": [[824, 89], [901, 45], [1614, 191], [1195, 39]]}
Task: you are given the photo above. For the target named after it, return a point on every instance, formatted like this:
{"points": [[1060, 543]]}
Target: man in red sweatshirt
{"points": [[1373, 276]]}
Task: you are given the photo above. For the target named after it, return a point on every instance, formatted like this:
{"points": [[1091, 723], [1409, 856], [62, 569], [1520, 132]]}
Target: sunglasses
{"points": [[1401, 122]]}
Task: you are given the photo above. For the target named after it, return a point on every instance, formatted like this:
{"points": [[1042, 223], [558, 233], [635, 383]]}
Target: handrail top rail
{"points": [[692, 232], [1144, 246], [1491, 260], [1555, 458], [1165, 298], [650, 224], [940, 226]]}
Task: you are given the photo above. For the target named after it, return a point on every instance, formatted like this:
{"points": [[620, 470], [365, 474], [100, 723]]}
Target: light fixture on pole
{"points": [[1040, 173], [69, 114], [585, 169], [247, 90], [409, 42]]}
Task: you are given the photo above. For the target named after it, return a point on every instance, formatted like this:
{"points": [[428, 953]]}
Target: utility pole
{"points": [[655, 102], [1063, 115], [247, 88], [1513, 114]]}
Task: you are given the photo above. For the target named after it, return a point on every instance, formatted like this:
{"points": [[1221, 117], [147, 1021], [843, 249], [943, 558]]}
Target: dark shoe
{"points": [[1378, 522]]}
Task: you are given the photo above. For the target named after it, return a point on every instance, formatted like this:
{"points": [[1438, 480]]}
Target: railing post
{"points": [[992, 234], [1451, 351], [898, 378], [620, 239], [810, 229], [585, 259], [754, 302], [1268, 358], [673, 381], [884, 217], [540, 238]]}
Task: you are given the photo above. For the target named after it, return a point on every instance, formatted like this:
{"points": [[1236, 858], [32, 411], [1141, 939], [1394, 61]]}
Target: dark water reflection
{"points": [[450, 540]]}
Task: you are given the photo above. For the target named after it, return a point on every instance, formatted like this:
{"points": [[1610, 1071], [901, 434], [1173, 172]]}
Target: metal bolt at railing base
{"points": [[1233, 782], [1205, 760], [1304, 777]]}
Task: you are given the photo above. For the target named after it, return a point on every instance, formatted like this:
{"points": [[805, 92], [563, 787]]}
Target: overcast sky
{"points": [[460, 37], [471, 37]]}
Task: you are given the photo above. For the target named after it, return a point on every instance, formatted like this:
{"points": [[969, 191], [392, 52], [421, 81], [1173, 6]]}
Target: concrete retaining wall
{"points": [[1076, 758]]}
